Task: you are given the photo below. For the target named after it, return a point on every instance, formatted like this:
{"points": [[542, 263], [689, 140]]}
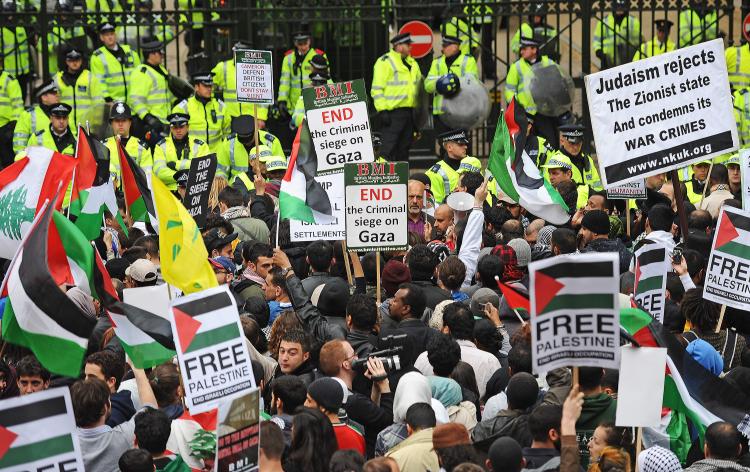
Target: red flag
{"points": [[514, 299]]}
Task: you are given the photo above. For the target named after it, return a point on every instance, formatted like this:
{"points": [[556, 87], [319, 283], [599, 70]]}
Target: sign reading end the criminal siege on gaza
{"points": [[376, 199], [575, 317], [339, 124], [661, 113], [254, 74], [214, 362], [728, 272]]}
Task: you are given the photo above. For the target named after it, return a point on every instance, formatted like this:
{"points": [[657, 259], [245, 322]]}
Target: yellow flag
{"points": [[184, 259]]}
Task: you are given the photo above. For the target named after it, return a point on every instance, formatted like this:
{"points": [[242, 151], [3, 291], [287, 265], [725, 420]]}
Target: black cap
{"points": [[120, 111], [301, 36], [447, 39], [620, 4], [319, 76], [456, 135], [151, 46], [106, 27], [596, 221], [61, 110], [47, 87], [319, 61], [178, 119], [205, 78], [663, 25], [181, 177], [572, 132], [243, 125], [73, 54], [217, 239], [526, 41], [401, 38]]}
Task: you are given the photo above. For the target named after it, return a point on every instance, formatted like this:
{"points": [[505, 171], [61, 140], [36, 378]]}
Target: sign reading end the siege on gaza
{"points": [[661, 113]]}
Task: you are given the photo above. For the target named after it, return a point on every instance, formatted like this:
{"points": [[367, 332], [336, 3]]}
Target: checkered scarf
{"points": [[507, 254], [658, 459]]}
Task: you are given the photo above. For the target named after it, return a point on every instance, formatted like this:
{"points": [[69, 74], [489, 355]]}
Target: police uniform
{"points": [[233, 156], [171, 155], [65, 143], [150, 96], [33, 118], [738, 65], [81, 90], [697, 24], [583, 168], [113, 67], [15, 48], [459, 28], [741, 100], [243, 180], [316, 78], [444, 175], [11, 106], [655, 47], [225, 78], [618, 37], [440, 76], [138, 150], [394, 93], [208, 118], [542, 33], [693, 186], [295, 72]]}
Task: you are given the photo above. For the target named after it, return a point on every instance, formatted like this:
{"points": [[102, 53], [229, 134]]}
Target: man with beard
{"points": [[417, 219], [443, 220], [544, 425]]}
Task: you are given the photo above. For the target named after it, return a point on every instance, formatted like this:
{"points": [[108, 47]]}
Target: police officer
{"points": [[15, 48], [11, 106], [735, 175], [394, 91], [618, 37], [741, 99], [174, 152], [444, 77], [317, 78], [660, 44], [243, 180], [57, 136], [538, 29], [208, 118], [444, 175], [112, 63], [738, 65], [295, 71], [225, 79], [458, 27], [584, 172], [235, 152], [78, 86], [697, 181], [36, 117], [150, 96], [558, 169], [121, 121], [145, 23], [697, 24]]}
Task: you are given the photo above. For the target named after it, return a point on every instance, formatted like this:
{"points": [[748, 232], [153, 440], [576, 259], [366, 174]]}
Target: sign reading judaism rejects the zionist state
{"points": [[661, 113]]}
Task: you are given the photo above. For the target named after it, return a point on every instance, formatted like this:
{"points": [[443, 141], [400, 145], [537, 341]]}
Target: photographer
{"points": [[375, 413]]}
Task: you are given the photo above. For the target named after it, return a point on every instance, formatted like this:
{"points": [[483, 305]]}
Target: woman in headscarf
{"points": [[448, 393]]}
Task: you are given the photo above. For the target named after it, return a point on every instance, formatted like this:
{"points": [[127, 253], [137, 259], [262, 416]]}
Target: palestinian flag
{"points": [[517, 174], [690, 391], [733, 234], [38, 315], [38, 430], [146, 337], [725, 281], [301, 197], [25, 186], [198, 326], [92, 190], [651, 266], [135, 188], [514, 298]]}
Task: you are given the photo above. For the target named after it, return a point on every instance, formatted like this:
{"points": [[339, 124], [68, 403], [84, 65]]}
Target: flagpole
{"points": [[638, 445], [721, 318], [708, 181], [346, 262], [377, 278], [627, 216], [278, 222], [256, 167], [73, 177]]}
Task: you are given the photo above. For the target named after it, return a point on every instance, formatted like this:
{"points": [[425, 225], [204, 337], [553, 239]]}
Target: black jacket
{"points": [[313, 321], [314, 280], [611, 245], [512, 423], [418, 335], [374, 418], [432, 293]]}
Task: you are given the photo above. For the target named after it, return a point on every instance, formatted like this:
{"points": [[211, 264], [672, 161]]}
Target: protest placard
{"points": [[38, 432], [214, 362], [640, 366], [333, 184], [728, 271], [254, 74], [661, 113], [376, 199], [575, 318], [745, 175], [635, 190], [651, 266], [239, 434], [200, 178], [339, 124]]}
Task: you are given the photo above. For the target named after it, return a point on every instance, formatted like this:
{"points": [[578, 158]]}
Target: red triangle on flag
{"points": [[514, 299], [727, 231], [6, 440], [187, 326], [546, 289]]}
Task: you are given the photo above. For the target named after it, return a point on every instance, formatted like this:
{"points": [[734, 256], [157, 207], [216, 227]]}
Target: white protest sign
{"points": [[339, 124], [640, 366], [651, 266], [302, 231], [728, 271], [254, 74], [376, 199], [38, 432], [635, 190], [745, 174], [238, 434], [214, 362], [661, 113], [575, 317], [154, 299]]}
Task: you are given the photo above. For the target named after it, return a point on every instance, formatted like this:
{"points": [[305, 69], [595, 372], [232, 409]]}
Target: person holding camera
{"points": [[337, 359]]}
